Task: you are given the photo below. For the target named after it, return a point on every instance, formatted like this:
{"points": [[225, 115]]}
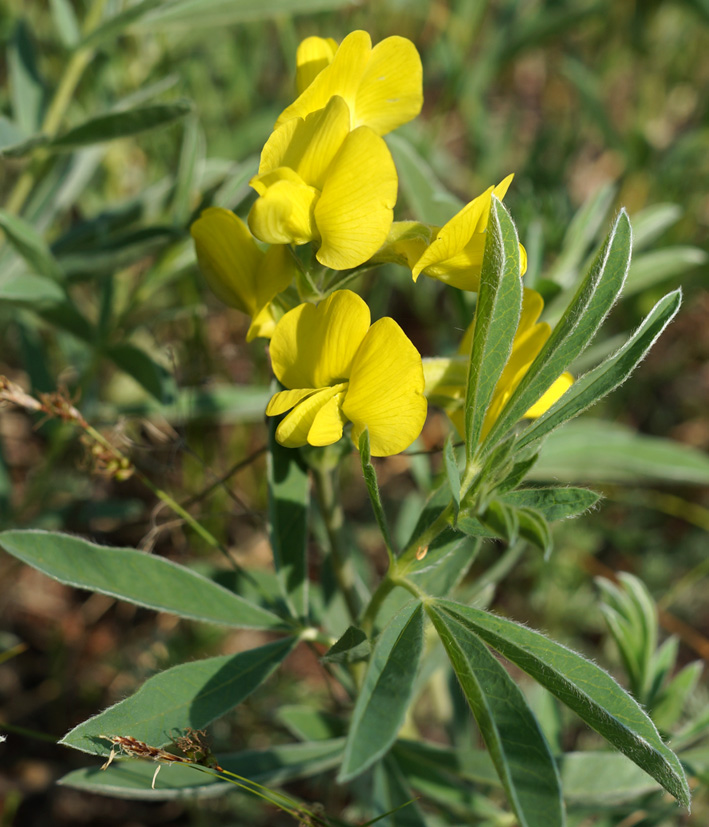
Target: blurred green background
{"points": [[593, 105]]}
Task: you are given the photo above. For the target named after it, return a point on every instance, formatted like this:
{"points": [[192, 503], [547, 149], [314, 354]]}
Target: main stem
{"points": [[327, 493]]}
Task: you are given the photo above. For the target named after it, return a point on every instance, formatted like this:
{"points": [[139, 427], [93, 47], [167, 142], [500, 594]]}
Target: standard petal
{"points": [[385, 393], [228, 257], [284, 212], [316, 141], [313, 55], [328, 422], [342, 77], [355, 211], [294, 429], [391, 91], [314, 346]]}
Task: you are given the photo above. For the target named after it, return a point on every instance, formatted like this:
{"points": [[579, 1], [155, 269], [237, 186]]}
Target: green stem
{"points": [[326, 492], [76, 67], [440, 524]]}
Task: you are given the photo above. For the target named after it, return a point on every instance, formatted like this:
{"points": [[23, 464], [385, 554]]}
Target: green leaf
{"points": [[116, 25], [196, 14], [392, 795], [25, 288], [191, 160], [425, 195], [25, 83], [553, 503], [352, 646], [386, 692], [593, 450], [496, 318], [122, 124], [579, 324], [502, 519], [189, 695], [535, 529], [65, 22], [276, 765], [14, 141], [309, 724], [30, 245], [370, 479], [445, 564], [661, 265], [582, 686], [149, 374], [288, 505], [580, 235], [611, 373], [450, 463], [135, 576], [651, 222], [674, 698], [516, 744], [602, 778]]}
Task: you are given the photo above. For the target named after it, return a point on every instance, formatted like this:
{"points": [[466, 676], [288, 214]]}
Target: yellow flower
{"points": [[382, 86], [336, 367], [446, 378], [452, 253], [319, 181], [239, 273]]}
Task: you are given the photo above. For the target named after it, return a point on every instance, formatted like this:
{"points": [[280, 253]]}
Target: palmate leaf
{"points": [[517, 746], [593, 300], [386, 692], [496, 319], [136, 577], [600, 381], [584, 687], [190, 695]]}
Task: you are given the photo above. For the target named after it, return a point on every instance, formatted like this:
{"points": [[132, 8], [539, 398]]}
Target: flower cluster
{"points": [[326, 178]]}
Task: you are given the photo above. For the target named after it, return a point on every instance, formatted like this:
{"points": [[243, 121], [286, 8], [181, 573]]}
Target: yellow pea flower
{"points": [[382, 86], [446, 377], [238, 271], [318, 181], [338, 368], [452, 253]]}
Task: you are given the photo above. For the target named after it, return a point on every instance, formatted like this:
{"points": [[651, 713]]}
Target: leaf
{"points": [[135, 576], [116, 25], [651, 222], [25, 84], [661, 265], [195, 14], [445, 563], [516, 744], [65, 22], [593, 450], [30, 245], [584, 687], [191, 160], [450, 463], [309, 724], [579, 324], [674, 698], [611, 373], [553, 503], [496, 319], [189, 695], [146, 372], [580, 235], [370, 479], [122, 124], [385, 694], [425, 195], [535, 529], [352, 646], [14, 141], [392, 796], [502, 519], [288, 505], [28, 289], [276, 765]]}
